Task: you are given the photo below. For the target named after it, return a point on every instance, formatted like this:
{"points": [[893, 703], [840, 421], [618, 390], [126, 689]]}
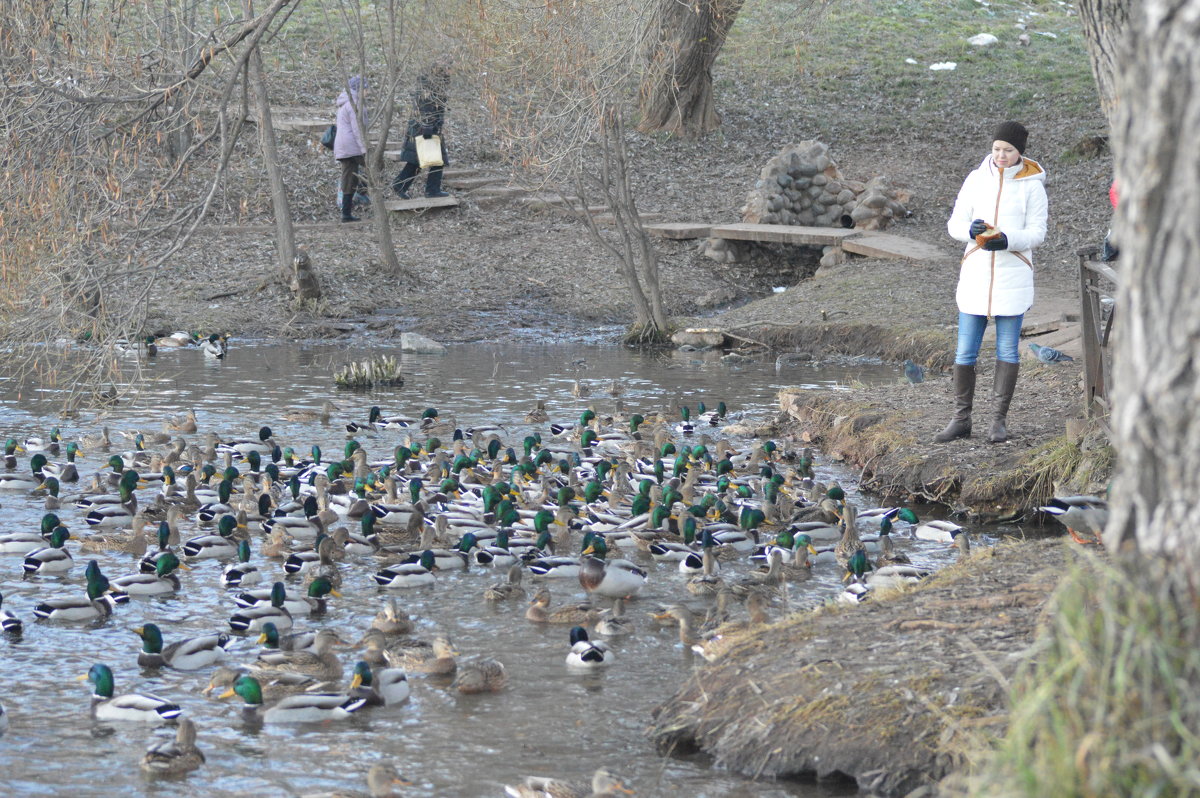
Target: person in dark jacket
{"points": [[430, 99]]}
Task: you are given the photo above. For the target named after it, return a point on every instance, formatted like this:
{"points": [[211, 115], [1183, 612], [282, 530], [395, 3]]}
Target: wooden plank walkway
{"points": [[859, 242], [783, 234], [421, 203], [678, 231], [887, 245]]}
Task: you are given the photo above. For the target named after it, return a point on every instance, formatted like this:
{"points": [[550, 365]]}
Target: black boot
{"points": [[1003, 386], [964, 400], [347, 206], [433, 183], [404, 180]]}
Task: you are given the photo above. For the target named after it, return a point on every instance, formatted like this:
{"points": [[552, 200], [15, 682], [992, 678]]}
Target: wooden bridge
{"points": [[860, 242]]}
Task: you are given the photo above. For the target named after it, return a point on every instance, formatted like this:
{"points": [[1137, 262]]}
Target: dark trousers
{"points": [[404, 180], [351, 173]]}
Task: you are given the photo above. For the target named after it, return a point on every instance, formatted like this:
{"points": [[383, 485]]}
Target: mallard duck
{"points": [[99, 602], [1080, 514], [25, 542], [321, 663], [301, 708], [392, 621], [22, 482], [221, 545], [9, 623], [382, 779], [436, 658], [108, 514], [708, 582], [278, 686], [304, 415], [603, 785], [242, 573], [184, 655], [214, 346], [850, 542], [380, 688], [313, 602], [480, 675], [613, 622], [412, 574], [510, 588], [50, 488], [132, 706], [938, 531], [761, 579], [177, 339], [175, 757], [52, 559], [613, 578], [148, 564], [271, 638], [586, 654], [66, 471], [251, 619], [538, 414], [539, 611], [163, 580], [895, 575]]}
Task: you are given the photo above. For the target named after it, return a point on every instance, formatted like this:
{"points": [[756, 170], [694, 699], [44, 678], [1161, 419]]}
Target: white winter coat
{"points": [[1000, 283]]}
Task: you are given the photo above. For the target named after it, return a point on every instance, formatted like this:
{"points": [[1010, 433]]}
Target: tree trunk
{"points": [[1156, 420], [682, 43], [1105, 23], [285, 233]]}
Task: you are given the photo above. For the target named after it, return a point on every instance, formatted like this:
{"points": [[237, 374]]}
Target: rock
{"points": [[733, 359], [699, 338], [716, 298], [417, 344]]}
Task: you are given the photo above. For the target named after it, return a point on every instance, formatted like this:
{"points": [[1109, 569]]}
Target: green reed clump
{"points": [[1109, 701]]}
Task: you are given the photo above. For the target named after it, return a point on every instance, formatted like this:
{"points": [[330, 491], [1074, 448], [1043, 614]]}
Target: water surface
{"points": [[548, 722]]}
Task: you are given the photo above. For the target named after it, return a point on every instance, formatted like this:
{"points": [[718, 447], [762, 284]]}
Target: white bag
{"points": [[429, 151]]}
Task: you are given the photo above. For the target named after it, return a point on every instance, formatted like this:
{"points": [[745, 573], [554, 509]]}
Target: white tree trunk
{"points": [[1156, 422]]}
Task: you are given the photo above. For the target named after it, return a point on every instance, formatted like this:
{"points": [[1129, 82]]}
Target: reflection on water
{"points": [[547, 722]]}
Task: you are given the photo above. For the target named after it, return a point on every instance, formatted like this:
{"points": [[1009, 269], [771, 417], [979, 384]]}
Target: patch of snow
{"points": [[943, 66], [983, 40]]}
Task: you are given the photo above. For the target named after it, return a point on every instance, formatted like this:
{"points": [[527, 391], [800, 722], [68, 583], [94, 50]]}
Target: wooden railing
{"points": [[1096, 280]]}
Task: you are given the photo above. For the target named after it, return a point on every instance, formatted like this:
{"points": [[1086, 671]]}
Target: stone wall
{"points": [[803, 186]]}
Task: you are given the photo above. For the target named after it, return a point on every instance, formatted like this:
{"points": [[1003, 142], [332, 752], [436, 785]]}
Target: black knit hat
{"points": [[1012, 132]]}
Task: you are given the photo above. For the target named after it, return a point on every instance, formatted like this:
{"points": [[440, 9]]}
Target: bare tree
{"points": [[91, 199], [556, 85], [285, 231], [682, 42]]}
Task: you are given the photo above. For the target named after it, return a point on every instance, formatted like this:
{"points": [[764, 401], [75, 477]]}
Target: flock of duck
{"points": [[603, 505]]}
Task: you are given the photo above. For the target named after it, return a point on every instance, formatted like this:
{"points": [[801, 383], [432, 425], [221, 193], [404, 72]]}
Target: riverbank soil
{"points": [[894, 694]]}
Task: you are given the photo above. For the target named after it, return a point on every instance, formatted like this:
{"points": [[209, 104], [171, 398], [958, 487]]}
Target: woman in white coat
{"points": [[1001, 215]]}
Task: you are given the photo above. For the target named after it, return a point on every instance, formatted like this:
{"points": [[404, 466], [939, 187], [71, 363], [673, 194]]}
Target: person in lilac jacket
{"points": [[349, 145]]}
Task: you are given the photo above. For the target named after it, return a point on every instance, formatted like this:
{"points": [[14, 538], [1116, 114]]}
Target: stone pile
{"points": [[803, 186]]}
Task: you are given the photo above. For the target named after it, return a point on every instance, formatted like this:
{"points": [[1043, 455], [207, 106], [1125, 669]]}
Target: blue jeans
{"points": [[970, 335]]}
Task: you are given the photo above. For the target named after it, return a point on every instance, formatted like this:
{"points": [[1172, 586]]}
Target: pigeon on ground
{"points": [[1048, 354], [913, 372]]}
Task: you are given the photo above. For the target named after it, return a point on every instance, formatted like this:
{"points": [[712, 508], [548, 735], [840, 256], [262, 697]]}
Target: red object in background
{"points": [[1112, 193]]}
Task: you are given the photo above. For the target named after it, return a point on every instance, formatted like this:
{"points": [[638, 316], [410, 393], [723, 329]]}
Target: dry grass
{"points": [[1109, 702]]}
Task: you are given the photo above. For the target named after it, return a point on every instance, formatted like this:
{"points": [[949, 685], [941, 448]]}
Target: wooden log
{"points": [[782, 234]]}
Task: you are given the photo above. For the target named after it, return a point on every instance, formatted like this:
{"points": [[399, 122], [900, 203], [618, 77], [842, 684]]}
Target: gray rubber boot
{"points": [[964, 400], [1003, 386]]}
